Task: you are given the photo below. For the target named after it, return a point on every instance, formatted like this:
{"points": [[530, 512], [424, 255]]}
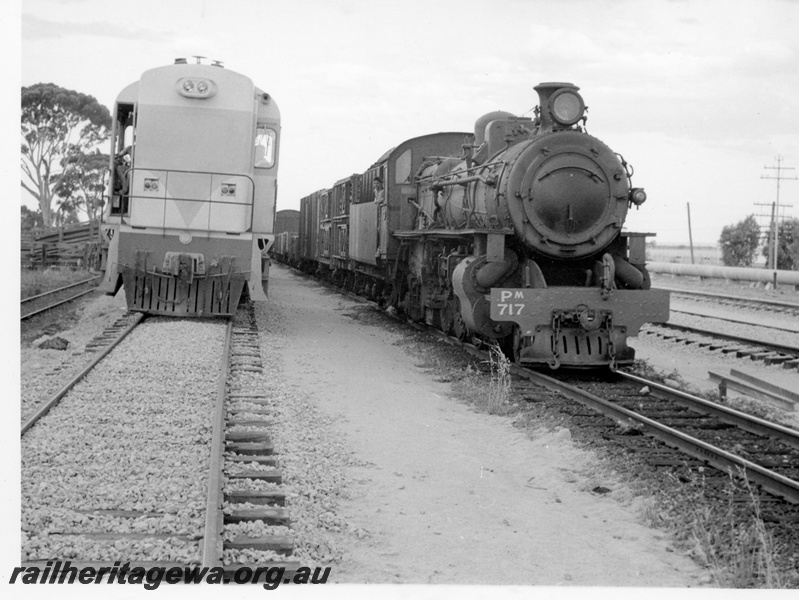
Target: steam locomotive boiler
{"points": [[515, 237]]}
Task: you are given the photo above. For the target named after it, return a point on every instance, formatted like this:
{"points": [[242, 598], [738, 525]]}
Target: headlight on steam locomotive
{"points": [[637, 196], [567, 107]]}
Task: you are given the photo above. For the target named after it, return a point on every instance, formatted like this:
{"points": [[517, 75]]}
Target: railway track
{"points": [[657, 413], [725, 343], [40, 303], [711, 468], [731, 441], [728, 440], [243, 454], [102, 346], [758, 304], [164, 472]]}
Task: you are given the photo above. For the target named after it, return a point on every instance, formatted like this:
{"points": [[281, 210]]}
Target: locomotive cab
{"points": [[122, 142]]}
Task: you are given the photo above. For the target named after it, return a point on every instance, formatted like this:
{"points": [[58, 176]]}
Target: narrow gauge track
{"points": [[759, 304], [738, 321], [743, 347], [733, 442], [729, 440], [34, 305], [145, 517], [767, 454], [102, 345]]}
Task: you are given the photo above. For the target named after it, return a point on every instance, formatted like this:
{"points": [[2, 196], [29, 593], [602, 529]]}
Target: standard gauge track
{"points": [[34, 305], [244, 456]]}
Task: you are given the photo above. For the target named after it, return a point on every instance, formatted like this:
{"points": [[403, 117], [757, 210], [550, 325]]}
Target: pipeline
{"points": [[776, 277]]}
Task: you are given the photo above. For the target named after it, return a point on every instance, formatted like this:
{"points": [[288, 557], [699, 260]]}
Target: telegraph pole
{"points": [[690, 234], [776, 213]]}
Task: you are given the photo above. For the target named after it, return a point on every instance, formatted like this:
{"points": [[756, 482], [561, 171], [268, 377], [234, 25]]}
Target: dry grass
{"points": [[493, 393], [499, 387], [735, 545], [34, 282]]}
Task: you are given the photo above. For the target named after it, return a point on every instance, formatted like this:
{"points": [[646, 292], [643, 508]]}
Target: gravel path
{"points": [[309, 451], [425, 490], [133, 436]]}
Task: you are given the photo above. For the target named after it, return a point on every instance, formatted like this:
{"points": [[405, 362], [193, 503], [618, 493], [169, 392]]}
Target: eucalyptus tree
{"points": [[58, 127]]}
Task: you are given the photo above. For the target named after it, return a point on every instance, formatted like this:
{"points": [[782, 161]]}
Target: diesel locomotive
{"points": [[511, 235], [192, 191]]}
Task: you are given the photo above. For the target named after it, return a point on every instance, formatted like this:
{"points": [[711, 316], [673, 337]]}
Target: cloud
{"points": [[771, 50], [37, 29], [564, 46]]}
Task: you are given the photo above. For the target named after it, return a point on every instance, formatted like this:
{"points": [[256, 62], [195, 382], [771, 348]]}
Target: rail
{"points": [[214, 519], [45, 408], [748, 300], [66, 287], [721, 459], [747, 341], [747, 422]]}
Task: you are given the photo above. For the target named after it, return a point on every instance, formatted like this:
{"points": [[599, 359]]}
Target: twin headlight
{"points": [[196, 88]]}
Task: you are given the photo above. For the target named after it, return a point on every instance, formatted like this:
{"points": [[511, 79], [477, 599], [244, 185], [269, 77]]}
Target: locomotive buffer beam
{"points": [[530, 307], [180, 289], [573, 326]]}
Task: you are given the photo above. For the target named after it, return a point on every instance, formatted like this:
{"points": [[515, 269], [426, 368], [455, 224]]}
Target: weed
{"points": [[735, 545], [499, 387]]}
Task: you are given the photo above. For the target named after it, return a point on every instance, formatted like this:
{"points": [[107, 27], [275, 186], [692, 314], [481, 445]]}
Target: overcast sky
{"points": [[699, 96]]}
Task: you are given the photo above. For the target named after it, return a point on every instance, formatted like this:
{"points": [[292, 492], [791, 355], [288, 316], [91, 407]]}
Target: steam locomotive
{"points": [[511, 235], [192, 191]]}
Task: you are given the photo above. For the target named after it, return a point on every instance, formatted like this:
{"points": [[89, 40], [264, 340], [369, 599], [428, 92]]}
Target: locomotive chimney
{"points": [[545, 91]]}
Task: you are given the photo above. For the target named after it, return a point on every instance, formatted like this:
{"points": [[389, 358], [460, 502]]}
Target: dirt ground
{"points": [[450, 495]]}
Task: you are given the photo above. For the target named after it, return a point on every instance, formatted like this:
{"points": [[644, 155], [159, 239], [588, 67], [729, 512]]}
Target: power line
{"points": [[776, 208]]}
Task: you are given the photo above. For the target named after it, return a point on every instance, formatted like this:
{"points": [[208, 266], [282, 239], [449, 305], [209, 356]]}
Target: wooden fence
{"points": [[75, 246]]}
